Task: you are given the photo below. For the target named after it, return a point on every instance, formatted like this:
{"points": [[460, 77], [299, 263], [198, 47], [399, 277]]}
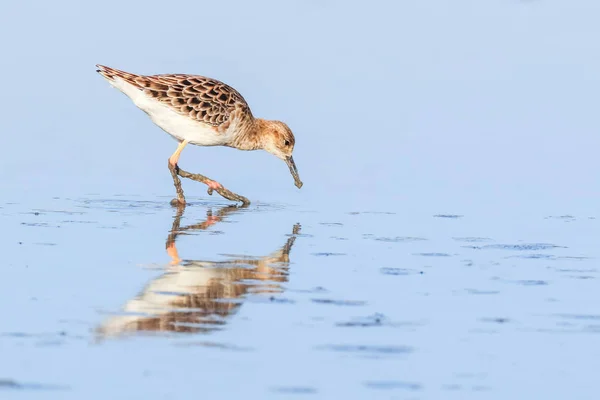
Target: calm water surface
{"points": [[115, 292], [444, 245]]}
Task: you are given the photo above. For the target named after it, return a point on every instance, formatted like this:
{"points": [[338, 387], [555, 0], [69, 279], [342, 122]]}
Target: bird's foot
{"points": [[178, 202], [213, 185]]}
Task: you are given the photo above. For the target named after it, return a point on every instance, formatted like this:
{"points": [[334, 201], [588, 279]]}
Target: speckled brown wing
{"points": [[204, 99]]}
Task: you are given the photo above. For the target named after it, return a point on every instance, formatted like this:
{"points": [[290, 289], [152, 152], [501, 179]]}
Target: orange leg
{"points": [[172, 252], [175, 157]]}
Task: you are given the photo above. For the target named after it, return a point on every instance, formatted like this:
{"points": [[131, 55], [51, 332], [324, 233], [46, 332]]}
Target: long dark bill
{"points": [[294, 171]]}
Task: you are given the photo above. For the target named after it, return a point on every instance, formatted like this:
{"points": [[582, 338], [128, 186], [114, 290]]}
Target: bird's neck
{"points": [[249, 136]]}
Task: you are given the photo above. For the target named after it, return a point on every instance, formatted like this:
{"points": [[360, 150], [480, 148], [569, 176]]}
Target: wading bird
{"points": [[203, 111]]}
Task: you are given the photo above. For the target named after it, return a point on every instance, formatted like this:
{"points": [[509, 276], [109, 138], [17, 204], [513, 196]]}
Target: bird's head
{"points": [[278, 139]]}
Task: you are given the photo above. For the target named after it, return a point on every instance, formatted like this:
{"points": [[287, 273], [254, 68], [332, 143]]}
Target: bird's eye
{"points": [[286, 143]]}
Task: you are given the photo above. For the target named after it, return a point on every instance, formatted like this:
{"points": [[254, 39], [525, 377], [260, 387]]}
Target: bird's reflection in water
{"points": [[197, 296]]}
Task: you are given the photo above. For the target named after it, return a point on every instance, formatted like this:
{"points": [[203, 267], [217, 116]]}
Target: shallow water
{"points": [[281, 300], [444, 244]]}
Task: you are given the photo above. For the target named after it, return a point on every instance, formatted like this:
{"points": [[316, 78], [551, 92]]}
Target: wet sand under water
{"points": [[123, 298]]}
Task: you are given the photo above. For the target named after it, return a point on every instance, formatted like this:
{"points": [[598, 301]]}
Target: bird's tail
{"points": [[111, 73]]}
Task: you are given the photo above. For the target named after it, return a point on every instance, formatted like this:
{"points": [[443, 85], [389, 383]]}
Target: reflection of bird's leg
{"points": [[292, 238], [172, 252], [171, 248], [213, 218], [176, 229], [264, 266]]}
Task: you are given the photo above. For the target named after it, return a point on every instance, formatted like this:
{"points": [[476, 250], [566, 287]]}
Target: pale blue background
{"points": [[483, 109]]}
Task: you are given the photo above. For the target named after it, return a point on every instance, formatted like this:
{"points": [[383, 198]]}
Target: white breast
{"points": [[179, 126]]}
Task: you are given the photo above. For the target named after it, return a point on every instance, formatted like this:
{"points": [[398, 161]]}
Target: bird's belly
{"points": [[183, 128]]}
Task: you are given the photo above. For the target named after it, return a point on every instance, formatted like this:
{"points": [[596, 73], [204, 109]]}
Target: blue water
{"points": [[444, 244]]}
